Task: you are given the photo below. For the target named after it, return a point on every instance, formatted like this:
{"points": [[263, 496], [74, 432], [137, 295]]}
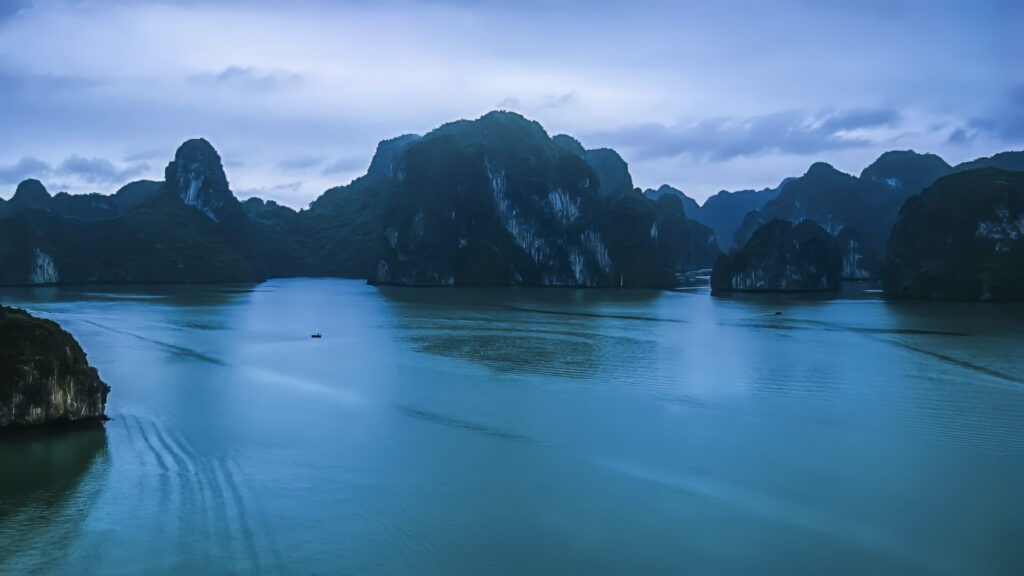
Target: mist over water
{"points": [[490, 431]]}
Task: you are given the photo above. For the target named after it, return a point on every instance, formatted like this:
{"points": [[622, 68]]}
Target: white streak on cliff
{"points": [[44, 270], [852, 263], [1001, 230], [592, 241], [191, 182], [565, 209], [524, 232]]}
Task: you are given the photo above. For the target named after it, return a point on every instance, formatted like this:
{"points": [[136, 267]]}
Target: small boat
{"points": [[317, 335]]}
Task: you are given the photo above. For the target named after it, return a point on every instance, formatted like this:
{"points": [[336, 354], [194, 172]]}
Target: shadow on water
{"points": [[559, 332], [169, 295], [173, 349], [591, 314], [848, 290], [513, 296], [49, 481], [461, 424]]}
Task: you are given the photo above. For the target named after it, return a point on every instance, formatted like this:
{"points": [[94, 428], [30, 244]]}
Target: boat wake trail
{"points": [[200, 500]]}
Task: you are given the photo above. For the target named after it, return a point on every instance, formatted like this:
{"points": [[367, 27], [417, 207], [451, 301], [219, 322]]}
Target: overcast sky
{"points": [[703, 95]]}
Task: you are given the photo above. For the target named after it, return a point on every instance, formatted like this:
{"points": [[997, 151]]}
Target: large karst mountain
{"points": [[497, 201]]}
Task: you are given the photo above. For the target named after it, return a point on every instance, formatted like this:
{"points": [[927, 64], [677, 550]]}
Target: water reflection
{"points": [[49, 482], [171, 295], [578, 334]]}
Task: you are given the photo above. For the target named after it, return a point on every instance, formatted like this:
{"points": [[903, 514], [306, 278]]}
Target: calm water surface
{"points": [[524, 431]]}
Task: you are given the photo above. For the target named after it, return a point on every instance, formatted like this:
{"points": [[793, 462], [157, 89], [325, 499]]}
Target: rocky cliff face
{"points": [[196, 175], [493, 201], [187, 229], [781, 257], [496, 201], [960, 239], [857, 263], [44, 375]]}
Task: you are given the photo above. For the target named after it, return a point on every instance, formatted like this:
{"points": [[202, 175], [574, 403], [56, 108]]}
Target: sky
{"points": [[700, 95]]}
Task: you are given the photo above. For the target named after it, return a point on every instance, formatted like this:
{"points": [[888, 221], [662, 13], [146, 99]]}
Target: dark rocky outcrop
{"points": [[781, 257], [906, 171], [690, 205], [834, 200], [569, 144], [857, 263], [496, 201], [30, 194], [147, 232], [869, 204], [134, 193], [960, 239], [611, 170], [85, 206], [196, 175], [44, 375]]}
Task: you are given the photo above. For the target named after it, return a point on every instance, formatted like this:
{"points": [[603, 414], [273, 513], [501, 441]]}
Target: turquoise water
{"points": [[464, 431]]}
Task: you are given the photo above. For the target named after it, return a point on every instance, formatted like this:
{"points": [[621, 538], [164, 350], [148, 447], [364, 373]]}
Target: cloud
{"points": [[99, 170], [12, 81], [27, 167], [268, 80], [141, 155], [275, 191], [568, 99], [244, 77], [1008, 125], [509, 103], [542, 102], [300, 163], [1008, 128], [855, 119], [347, 164], [725, 138]]}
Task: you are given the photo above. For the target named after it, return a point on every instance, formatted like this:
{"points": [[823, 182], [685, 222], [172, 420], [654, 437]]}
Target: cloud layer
{"points": [[73, 172], [295, 96]]}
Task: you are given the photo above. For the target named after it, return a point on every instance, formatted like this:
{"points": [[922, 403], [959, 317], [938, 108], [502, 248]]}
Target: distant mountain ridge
{"points": [[867, 207], [491, 201]]}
